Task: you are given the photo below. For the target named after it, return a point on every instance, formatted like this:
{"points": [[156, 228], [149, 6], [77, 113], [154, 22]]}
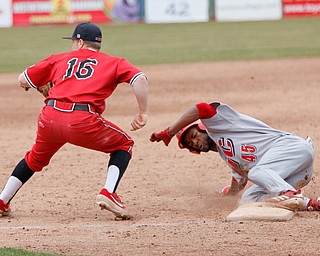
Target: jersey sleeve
{"points": [[39, 74], [206, 110], [127, 72]]}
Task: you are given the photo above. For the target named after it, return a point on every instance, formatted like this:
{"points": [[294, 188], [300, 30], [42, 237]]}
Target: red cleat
{"points": [[292, 200], [4, 208], [112, 203], [314, 204]]}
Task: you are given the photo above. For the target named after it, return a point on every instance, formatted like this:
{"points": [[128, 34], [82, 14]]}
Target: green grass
{"points": [[170, 43], [19, 252]]}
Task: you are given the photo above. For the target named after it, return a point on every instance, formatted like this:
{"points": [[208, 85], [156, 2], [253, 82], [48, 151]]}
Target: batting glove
{"points": [[162, 136], [225, 190]]}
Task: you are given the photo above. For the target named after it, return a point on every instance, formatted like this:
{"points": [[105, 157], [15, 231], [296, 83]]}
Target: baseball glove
{"points": [[44, 90]]}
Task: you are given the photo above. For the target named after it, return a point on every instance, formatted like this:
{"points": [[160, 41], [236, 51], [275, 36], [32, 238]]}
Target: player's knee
{"points": [[35, 164], [254, 173]]}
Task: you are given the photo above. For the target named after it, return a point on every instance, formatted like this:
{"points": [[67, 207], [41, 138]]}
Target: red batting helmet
{"points": [[180, 136]]}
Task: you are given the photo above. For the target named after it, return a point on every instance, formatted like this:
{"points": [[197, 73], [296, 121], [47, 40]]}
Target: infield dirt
{"points": [[171, 193]]}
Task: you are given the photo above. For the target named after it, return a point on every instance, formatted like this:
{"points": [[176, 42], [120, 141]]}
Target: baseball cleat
{"points": [[292, 200], [4, 208], [314, 204], [112, 202]]}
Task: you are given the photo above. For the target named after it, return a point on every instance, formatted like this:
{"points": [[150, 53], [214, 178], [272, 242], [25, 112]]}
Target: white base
{"points": [[260, 212]]}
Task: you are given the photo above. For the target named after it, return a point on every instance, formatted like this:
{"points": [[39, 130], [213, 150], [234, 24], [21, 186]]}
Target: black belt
{"points": [[77, 106]]}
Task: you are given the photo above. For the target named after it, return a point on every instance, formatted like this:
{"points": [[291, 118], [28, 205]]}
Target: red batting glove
{"points": [[225, 190], [162, 136]]}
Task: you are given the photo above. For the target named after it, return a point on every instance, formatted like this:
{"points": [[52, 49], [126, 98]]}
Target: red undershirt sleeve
{"points": [[205, 110]]}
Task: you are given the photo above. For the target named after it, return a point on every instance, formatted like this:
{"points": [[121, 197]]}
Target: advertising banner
{"points": [[125, 10], [27, 12], [301, 8], [5, 14], [248, 10], [175, 11]]}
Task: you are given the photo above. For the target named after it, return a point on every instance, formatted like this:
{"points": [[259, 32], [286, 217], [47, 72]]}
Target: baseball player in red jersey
{"points": [[278, 163], [83, 79]]}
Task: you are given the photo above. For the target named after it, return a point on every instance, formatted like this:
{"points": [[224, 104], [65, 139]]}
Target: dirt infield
{"points": [[171, 193]]}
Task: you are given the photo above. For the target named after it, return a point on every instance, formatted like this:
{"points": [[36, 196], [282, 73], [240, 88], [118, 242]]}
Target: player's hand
{"points": [[26, 87], [139, 121], [162, 136], [44, 90]]}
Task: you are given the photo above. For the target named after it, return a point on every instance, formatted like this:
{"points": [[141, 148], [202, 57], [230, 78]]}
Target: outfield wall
{"points": [[44, 12]]}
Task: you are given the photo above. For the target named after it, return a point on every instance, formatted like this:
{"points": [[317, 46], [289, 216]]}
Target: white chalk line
{"points": [[84, 226]]}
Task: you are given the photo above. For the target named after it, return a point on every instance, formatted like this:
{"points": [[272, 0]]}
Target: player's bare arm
{"points": [[234, 188], [188, 117], [140, 89]]}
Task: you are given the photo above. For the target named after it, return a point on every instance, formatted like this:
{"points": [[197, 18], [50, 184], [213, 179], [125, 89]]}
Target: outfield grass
{"points": [[170, 43], [19, 252]]}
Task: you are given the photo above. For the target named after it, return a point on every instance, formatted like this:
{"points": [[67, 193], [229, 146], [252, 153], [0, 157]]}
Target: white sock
{"points": [[112, 178], [12, 186]]}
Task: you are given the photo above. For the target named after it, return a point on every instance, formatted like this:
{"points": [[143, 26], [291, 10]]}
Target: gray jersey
{"points": [[241, 140]]}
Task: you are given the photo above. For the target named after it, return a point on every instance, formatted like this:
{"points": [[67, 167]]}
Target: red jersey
{"points": [[83, 76]]}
